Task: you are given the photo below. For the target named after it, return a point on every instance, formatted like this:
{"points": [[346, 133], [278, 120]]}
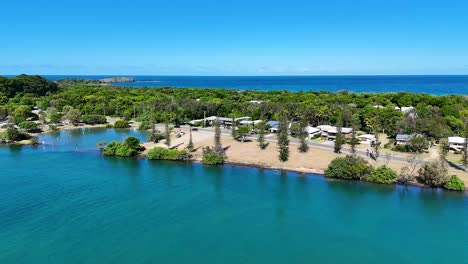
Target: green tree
{"points": [[210, 157], [303, 147], [73, 116], [349, 167], [432, 174], [233, 129], [338, 140], [190, 144], [261, 136], [218, 147], [167, 135], [121, 124], [283, 140], [242, 133], [443, 150], [29, 126]]}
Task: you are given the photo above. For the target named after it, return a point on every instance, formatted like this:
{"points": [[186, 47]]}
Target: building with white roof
{"points": [[456, 143]]}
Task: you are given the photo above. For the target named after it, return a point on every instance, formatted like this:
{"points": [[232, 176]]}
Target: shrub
{"points": [[109, 125], [349, 167], [121, 124], [132, 142], [402, 148], [12, 134], [454, 184], [29, 126], [159, 153], [131, 147], [94, 119], [383, 175], [212, 158], [144, 125], [433, 174]]}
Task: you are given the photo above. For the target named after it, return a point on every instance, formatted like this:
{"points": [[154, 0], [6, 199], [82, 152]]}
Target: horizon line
{"points": [[247, 75]]}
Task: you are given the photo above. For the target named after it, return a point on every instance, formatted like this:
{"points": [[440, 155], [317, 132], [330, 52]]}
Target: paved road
{"points": [[294, 141]]}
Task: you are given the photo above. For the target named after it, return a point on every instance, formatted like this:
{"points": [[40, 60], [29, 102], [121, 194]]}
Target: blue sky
{"points": [[208, 37]]}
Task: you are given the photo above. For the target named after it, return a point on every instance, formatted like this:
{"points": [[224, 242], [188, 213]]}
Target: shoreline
{"points": [[302, 172], [236, 158]]}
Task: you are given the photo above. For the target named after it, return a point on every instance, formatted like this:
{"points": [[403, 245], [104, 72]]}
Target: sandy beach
{"points": [[315, 160]]}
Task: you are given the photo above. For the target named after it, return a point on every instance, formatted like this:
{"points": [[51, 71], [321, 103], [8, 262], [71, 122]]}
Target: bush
{"points": [[402, 148], [383, 175], [29, 126], [12, 134], [132, 142], [432, 174], [159, 153], [212, 158], [94, 119], [144, 125], [131, 147], [121, 124], [349, 167], [454, 184]]}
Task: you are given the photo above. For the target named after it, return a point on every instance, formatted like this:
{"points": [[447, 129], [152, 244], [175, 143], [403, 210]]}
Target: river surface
{"points": [[63, 202], [430, 84]]}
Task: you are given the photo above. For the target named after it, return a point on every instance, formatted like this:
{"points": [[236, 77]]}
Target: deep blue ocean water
{"points": [[63, 202], [437, 84]]}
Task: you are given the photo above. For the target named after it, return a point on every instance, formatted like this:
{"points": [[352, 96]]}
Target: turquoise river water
{"points": [[63, 202]]}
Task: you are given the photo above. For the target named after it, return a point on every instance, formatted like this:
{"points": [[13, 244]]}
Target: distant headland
{"points": [[117, 79]]}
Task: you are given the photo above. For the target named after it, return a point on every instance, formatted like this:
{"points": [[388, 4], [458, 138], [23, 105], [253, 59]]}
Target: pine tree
{"points": [[283, 140], [355, 124], [167, 135], [261, 136], [303, 147], [233, 129], [465, 147], [443, 149], [353, 142], [190, 144], [218, 148], [339, 140]]}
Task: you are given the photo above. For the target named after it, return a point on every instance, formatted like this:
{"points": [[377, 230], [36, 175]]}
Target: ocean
{"points": [[430, 84]]}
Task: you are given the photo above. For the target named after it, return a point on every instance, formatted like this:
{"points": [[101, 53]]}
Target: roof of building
{"points": [[404, 137], [325, 127], [367, 136], [456, 140], [312, 130], [406, 109], [344, 130], [273, 124], [248, 122]]}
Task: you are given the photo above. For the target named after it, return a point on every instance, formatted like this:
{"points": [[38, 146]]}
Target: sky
{"points": [[223, 37]]}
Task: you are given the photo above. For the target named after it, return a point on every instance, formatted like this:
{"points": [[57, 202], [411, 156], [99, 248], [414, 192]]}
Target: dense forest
{"points": [[433, 116]]}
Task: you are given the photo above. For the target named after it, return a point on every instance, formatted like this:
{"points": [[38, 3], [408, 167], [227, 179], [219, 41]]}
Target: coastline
{"points": [[247, 154]]}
